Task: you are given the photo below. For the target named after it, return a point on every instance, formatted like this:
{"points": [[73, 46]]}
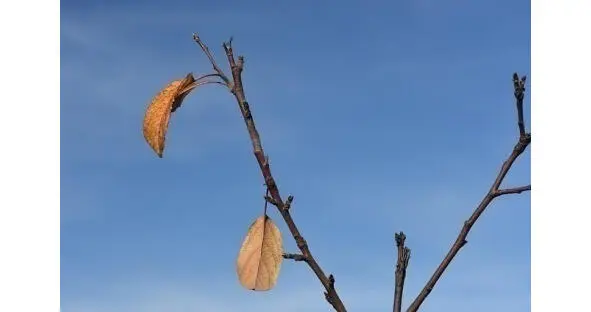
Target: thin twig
{"points": [[401, 266], [494, 192], [294, 257], [519, 87], [237, 90], [513, 190], [210, 75], [211, 59]]}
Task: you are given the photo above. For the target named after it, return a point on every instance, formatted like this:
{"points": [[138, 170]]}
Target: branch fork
{"points": [[273, 196], [523, 141]]}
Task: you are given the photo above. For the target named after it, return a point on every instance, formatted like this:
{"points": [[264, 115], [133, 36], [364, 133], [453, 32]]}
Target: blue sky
{"points": [[379, 116]]}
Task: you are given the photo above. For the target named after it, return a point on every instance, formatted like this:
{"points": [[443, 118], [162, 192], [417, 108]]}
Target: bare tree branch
{"points": [[519, 92], [235, 86], [401, 265], [217, 69], [522, 143], [513, 190], [237, 90]]}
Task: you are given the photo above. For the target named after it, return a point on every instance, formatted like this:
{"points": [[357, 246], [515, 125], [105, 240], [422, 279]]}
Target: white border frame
{"points": [[29, 164], [560, 155], [29, 156]]}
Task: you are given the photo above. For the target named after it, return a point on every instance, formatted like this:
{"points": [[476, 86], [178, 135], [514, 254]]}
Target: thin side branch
{"points": [[401, 266], [294, 257], [522, 143], [513, 190], [270, 200], [217, 69], [237, 89]]}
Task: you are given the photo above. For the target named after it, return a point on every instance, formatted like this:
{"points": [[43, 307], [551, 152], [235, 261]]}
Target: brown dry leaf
{"points": [[158, 113], [260, 256]]}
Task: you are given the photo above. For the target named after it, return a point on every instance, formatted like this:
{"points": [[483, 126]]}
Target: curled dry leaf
{"points": [[158, 113], [260, 256]]}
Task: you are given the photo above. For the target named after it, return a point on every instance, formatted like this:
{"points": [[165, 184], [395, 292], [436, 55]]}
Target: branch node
{"points": [[330, 292], [266, 163], [270, 182], [328, 298], [271, 201], [287, 203], [301, 243], [240, 63], [407, 257], [248, 114]]}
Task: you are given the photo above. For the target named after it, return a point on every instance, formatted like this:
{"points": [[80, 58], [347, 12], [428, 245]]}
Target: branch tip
{"points": [[400, 273], [328, 298], [400, 239]]}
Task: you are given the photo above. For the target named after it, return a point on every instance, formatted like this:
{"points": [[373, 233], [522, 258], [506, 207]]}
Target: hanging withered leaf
{"points": [[259, 260], [158, 112]]}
